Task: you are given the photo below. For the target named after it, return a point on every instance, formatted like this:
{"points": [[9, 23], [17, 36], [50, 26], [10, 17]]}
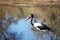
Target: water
{"points": [[22, 31]]}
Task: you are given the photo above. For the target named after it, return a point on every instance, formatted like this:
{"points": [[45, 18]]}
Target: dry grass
{"points": [[50, 15]]}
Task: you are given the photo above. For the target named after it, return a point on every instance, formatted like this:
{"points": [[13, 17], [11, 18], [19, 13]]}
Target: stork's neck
{"points": [[32, 21]]}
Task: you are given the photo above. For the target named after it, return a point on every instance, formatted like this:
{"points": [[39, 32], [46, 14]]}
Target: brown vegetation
{"points": [[50, 15]]}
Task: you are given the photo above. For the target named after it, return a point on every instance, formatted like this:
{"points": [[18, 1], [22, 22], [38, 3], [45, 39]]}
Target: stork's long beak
{"points": [[28, 18]]}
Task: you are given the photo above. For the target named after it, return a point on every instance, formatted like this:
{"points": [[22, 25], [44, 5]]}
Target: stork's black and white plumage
{"points": [[39, 26]]}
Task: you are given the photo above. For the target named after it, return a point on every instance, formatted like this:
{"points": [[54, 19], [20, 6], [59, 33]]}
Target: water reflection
{"points": [[22, 31]]}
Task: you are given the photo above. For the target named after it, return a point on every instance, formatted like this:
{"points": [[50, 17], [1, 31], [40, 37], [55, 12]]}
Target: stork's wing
{"points": [[37, 24], [45, 27]]}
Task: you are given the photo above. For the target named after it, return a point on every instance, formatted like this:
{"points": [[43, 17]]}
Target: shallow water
{"points": [[22, 31]]}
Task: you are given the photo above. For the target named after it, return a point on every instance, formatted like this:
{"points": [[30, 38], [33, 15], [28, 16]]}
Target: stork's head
{"points": [[30, 16]]}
